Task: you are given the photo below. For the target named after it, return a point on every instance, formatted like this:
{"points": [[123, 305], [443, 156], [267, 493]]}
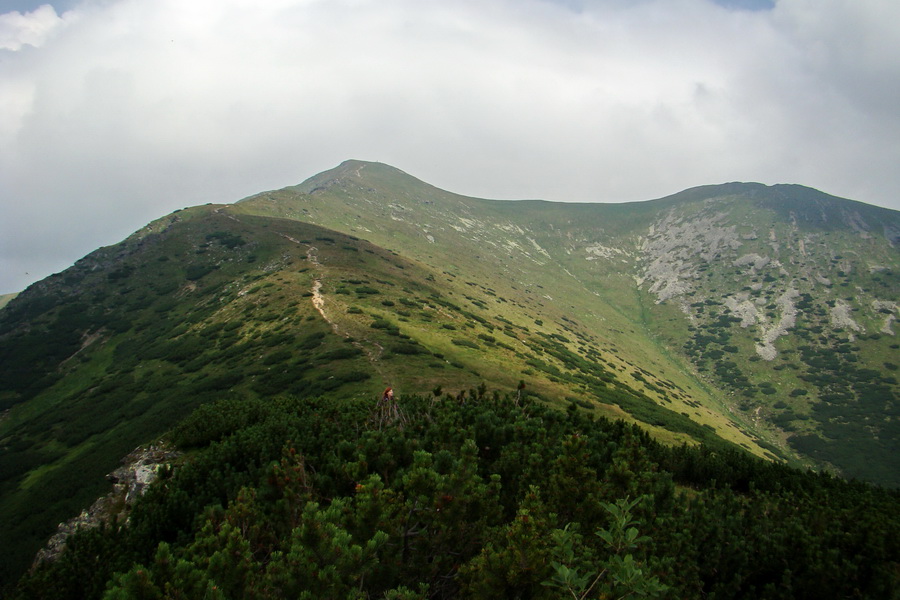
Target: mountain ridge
{"points": [[788, 239], [707, 315]]}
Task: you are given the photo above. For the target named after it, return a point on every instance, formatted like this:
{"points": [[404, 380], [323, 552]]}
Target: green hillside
{"points": [[745, 315], [204, 305], [772, 307]]}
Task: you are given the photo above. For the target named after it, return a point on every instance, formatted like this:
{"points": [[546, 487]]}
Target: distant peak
{"points": [[358, 165], [357, 172], [752, 190]]}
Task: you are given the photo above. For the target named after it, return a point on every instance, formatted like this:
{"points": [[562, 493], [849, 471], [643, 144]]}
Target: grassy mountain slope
{"points": [[790, 297], [498, 249], [207, 305], [771, 307], [758, 315], [115, 351]]}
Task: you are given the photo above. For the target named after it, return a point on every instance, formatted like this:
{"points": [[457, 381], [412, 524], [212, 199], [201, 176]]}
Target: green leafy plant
{"points": [[620, 576]]}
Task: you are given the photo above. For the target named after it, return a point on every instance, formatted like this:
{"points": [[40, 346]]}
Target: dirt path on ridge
{"points": [[318, 301]]}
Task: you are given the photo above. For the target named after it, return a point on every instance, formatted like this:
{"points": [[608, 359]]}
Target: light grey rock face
{"points": [[892, 234], [771, 331], [754, 261], [139, 470], [599, 251], [889, 310], [130, 481], [677, 246], [856, 222], [743, 308], [841, 317]]}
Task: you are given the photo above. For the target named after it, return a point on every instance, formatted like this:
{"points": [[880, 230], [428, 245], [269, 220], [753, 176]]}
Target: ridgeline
{"points": [[715, 370]]}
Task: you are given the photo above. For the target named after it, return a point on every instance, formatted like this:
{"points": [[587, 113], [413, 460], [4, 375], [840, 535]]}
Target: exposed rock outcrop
{"points": [[743, 308], [841, 317], [771, 332], [129, 481], [676, 247], [754, 261], [889, 309]]}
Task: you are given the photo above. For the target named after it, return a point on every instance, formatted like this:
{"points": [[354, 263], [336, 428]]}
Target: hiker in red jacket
{"points": [[387, 406]]}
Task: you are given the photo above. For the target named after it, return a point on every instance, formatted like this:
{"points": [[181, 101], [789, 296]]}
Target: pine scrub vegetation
{"points": [[480, 498]]}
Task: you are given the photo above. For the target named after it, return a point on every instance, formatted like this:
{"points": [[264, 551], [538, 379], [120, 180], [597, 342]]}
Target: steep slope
{"points": [[759, 315], [789, 298], [211, 304], [773, 307], [518, 254], [114, 351]]}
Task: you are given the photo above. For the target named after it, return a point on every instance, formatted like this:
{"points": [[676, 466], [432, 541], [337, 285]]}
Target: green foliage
{"points": [[621, 576], [408, 349], [386, 325], [465, 342], [340, 353], [227, 239], [305, 499], [195, 272]]}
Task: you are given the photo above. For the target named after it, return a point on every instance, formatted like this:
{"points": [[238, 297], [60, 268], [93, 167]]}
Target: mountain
{"points": [[771, 307], [737, 314]]}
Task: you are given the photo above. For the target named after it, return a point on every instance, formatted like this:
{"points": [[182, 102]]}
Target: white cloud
{"points": [[135, 108], [28, 29]]}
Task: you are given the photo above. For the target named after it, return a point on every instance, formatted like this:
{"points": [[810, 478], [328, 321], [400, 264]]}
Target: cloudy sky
{"points": [[116, 112]]}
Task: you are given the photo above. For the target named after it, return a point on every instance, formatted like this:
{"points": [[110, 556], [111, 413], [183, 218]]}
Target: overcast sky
{"points": [[116, 112]]}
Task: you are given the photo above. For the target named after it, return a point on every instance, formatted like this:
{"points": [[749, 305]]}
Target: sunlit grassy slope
{"points": [[770, 307], [513, 258]]}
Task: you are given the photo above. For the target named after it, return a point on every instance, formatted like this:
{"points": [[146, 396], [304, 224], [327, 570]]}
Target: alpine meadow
{"points": [[688, 397]]}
